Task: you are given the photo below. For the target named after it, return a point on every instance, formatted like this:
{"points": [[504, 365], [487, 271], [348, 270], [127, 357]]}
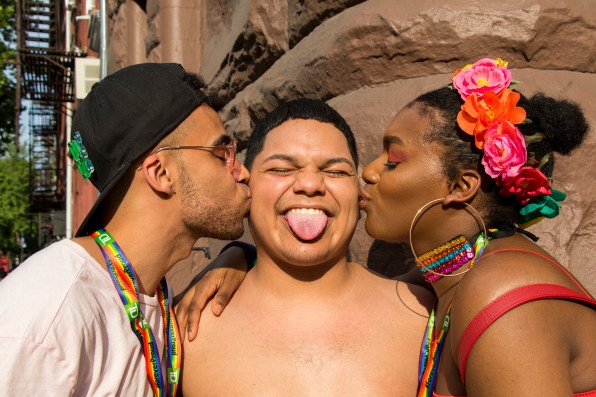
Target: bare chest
{"points": [[306, 355]]}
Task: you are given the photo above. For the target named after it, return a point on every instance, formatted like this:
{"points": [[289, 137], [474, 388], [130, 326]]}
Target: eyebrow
{"points": [[388, 140], [336, 160], [281, 157], [222, 140], [327, 163]]}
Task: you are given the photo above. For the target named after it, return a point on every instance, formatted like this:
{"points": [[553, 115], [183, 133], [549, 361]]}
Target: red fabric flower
{"points": [[530, 182]]}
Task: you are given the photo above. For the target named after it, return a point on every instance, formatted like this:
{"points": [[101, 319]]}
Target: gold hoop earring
{"points": [[460, 242]]}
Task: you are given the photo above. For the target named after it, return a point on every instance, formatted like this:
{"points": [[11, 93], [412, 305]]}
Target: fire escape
{"points": [[46, 82]]}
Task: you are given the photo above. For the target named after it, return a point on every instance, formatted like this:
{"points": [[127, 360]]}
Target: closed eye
{"points": [[281, 171], [337, 173], [220, 153], [391, 165]]}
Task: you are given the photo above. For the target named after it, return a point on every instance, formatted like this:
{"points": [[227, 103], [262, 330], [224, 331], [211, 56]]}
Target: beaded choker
{"points": [[450, 256], [445, 258]]}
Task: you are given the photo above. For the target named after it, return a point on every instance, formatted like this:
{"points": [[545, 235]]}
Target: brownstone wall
{"points": [[369, 58]]}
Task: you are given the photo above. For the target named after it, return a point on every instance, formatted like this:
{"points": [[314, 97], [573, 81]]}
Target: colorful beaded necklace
{"points": [[445, 258], [125, 281], [449, 257]]}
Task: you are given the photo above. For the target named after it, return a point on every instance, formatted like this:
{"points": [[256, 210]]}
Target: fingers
{"points": [[192, 325], [221, 276], [181, 313], [220, 302], [230, 283], [188, 310], [202, 292]]}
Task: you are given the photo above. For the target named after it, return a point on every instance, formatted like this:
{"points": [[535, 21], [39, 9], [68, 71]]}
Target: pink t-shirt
{"points": [[63, 330]]}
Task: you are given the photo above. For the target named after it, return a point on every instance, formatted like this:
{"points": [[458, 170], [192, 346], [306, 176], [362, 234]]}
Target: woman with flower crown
{"points": [[463, 170]]}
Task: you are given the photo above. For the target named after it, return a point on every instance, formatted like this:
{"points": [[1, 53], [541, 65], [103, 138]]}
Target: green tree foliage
{"points": [[7, 77], [14, 201]]}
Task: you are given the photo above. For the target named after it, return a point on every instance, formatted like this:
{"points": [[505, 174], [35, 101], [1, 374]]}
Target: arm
{"points": [[221, 278], [525, 352], [536, 348]]}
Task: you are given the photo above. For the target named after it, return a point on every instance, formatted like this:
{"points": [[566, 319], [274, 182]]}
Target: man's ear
{"points": [[156, 174], [464, 188]]}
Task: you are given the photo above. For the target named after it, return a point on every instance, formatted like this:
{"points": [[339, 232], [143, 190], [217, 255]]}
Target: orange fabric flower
{"points": [[477, 115]]}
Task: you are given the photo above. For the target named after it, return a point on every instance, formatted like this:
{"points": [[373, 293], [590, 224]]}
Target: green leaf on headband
{"points": [[542, 207], [530, 139], [543, 160]]}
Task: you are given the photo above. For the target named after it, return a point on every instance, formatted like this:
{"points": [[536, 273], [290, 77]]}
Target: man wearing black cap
{"points": [[92, 315]]}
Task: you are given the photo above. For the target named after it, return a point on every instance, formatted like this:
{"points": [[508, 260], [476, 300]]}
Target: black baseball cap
{"points": [[125, 115]]}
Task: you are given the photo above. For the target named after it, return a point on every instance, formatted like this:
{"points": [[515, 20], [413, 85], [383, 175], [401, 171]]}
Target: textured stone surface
{"points": [[225, 22], [269, 29], [369, 58], [304, 16], [262, 41], [377, 42]]}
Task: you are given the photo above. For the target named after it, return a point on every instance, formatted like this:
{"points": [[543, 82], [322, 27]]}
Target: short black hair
{"points": [[197, 83], [301, 109]]}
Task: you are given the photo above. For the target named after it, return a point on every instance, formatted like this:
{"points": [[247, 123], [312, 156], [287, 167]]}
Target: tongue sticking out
{"points": [[307, 224]]}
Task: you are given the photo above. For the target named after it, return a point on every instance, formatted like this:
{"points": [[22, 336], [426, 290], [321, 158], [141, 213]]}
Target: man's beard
{"points": [[207, 216]]}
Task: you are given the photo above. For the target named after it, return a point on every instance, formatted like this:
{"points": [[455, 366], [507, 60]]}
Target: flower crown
{"points": [[489, 114]]}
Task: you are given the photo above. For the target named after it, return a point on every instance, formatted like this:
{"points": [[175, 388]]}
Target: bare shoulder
{"points": [[415, 297], [504, 268], [407, 296]]}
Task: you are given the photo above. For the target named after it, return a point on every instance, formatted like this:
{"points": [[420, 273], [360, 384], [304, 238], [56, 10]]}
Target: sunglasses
{"points": [[224, 152]]}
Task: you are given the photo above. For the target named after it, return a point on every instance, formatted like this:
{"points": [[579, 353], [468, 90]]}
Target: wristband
{"points": [[250, 251]]}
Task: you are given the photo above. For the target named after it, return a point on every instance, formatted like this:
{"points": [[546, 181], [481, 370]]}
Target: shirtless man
{"points": [[306, 321]]}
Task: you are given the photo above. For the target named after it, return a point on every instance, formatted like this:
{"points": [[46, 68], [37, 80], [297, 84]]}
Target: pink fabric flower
{"points": [[485, 75], [504, 150], [530, 182]]}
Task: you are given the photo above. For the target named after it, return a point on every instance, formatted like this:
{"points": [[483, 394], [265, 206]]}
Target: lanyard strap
{"points": [[125, 281], [430, 353]]}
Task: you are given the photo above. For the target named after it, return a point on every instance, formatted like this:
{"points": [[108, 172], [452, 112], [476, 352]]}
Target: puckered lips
{"points": [[248, 200], [363, 198], [307, 223]]}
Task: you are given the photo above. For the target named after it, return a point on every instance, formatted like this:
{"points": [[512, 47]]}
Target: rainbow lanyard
{"points": [[430, 353], [431, 347], [125, 282]]}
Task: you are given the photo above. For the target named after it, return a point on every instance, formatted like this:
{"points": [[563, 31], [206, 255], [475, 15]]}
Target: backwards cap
{"points": [[125, 115]]}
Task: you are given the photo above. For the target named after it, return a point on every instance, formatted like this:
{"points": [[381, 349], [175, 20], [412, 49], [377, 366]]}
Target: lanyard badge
{"points": [[125, 281]]}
